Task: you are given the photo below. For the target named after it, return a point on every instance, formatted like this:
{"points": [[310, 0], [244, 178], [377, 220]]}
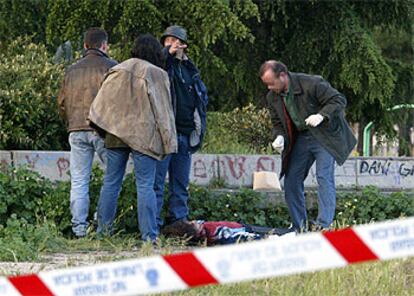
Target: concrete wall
{"points": [[237, 170], [5, 159]]}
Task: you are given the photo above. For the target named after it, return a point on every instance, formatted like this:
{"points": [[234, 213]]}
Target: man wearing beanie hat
{"points": [[189, 99]]}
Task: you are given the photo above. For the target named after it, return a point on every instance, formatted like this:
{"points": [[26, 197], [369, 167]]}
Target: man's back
{"points": [[82, 82]]}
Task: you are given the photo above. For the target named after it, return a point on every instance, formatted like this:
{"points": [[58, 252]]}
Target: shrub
{"points": [[253, 126], [29, 84], [32, 200], [21, 240], [372, 205], [241, 131], [21, 193]]}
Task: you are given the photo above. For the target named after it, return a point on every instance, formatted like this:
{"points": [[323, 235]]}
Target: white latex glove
{"points": [[314, 120], [278, 144]]}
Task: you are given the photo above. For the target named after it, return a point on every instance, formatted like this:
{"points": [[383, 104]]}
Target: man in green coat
{"points": [[308, 125]]}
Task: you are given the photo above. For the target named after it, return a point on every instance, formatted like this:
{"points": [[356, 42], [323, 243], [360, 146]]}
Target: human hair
{"points": [[95, 37], [182, 229], [275, 66], [147, 47]]}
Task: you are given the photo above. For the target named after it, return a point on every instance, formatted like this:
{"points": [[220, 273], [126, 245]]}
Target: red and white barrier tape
{"points": [[219, 265]]}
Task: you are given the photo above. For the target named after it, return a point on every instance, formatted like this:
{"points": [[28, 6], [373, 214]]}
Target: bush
{"points": [[245, 205], [29, 84], [32, 200], [27, 195], [21, 193], [372, 205], [241, 131], [21, 240]]}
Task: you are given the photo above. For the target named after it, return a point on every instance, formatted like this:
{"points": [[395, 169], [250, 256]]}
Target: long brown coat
{"points": [[134, 104]]}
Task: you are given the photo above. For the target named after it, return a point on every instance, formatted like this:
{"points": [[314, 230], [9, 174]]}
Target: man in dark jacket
{"points": [[80, 86], [189, 99], [308, 125]]}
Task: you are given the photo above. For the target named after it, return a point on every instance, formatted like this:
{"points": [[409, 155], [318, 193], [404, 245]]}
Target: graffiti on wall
{"points": [[387, 171], [4, 164], [237, 170], [32, 160], [234, 169], [63, 166], [384, 167]]}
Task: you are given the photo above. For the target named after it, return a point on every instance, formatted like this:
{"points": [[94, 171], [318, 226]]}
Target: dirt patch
{"points": [[53, 261]]}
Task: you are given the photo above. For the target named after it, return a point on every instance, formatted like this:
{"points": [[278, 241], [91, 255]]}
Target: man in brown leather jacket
{"points": [[80, 86]]}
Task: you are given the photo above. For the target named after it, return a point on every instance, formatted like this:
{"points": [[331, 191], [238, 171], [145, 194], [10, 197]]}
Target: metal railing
{"points": [[367, 130]]}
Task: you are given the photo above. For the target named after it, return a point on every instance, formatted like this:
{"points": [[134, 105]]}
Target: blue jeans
{"points": [[83, 145], [305, 151], [144, 168], [178, 166]]}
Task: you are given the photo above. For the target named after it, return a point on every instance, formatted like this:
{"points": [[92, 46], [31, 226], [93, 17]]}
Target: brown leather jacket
{"points": [[82, 82]]}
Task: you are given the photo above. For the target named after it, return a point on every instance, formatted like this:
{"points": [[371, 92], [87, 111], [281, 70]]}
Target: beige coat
{"points": [[134, 104]]}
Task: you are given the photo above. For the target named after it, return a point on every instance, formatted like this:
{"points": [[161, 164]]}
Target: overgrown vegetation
{"points": [[364, 48], [35, 214], [244, 130], [29, 84]]}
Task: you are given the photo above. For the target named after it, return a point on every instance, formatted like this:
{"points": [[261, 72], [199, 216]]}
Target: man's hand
{"points": [[177, 47], [314, 120], [278, 144]]}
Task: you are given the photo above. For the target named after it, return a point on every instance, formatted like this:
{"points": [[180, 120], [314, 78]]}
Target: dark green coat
{"points": [[312, 95]]}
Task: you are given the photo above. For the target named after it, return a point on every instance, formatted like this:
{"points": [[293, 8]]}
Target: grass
{"points": [[395, 277]]}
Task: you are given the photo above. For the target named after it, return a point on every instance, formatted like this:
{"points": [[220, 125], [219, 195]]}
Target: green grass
{"points": [[394, 277]]}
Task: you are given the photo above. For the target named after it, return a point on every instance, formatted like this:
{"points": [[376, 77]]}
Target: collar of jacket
{"points": [[293, 81], [194, 72], [95, 51]]}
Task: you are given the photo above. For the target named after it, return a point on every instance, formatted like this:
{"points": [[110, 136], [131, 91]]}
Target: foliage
{"points": [[21, 192], [32, 198], [244, 130], [398, 50], [29, 85], [207, 22], [35, 213], [23, 17], [242, 205], [219, 140], [126, 220], [363, 48], [372, 205], [21, 241]]}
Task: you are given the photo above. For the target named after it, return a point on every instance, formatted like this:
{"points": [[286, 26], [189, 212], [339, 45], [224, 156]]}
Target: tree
{"points": [[397, 48], [334, 39], [23, 17], [344, 41]]}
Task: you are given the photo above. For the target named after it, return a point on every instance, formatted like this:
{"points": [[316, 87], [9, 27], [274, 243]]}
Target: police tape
{"points": [[226, 264]]}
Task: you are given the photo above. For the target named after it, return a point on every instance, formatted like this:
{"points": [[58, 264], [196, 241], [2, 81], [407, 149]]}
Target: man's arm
{"points": [[331, 100]]}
